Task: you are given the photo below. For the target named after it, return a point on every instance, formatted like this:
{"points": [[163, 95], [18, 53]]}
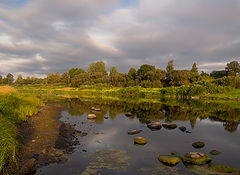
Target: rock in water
{"points": [[182, 128], [198, 144], [196, 158], [169, 126], [97, 109], [129, 114], [215, 152], [140, 140], [154, 125], [169, 160], [134, 132], [92, 116]]}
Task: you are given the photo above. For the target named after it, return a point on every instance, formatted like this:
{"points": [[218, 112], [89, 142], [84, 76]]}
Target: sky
{"points": [[45, 36]]}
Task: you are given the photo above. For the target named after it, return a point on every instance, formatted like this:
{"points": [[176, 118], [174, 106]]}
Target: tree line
{"points": [[147, 76]]}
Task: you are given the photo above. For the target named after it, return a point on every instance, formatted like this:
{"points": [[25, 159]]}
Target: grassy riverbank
{"points": [[14, 108], [192, 91]]}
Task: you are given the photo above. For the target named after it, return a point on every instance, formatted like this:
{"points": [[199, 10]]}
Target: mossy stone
{"points": [[140, 140], [198, 144], [196, 159], [215, 152], [169, 160], [222, 168]]}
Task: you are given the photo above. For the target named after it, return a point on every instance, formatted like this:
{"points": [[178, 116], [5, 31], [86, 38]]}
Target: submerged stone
{"points": [[92, 116], [198, 144], [169, 160], [222, 168], [154, 125], [169, 126], [129, 114], [182, 128], [134, 132], [140, 140], [196, 158], [215, 152]]}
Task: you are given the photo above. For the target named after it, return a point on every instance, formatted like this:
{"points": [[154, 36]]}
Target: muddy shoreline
{"points": [[44, 140]]}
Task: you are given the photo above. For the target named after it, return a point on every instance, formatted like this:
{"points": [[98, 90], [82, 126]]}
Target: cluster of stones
{"points": [[196, 158], [191, 158]]}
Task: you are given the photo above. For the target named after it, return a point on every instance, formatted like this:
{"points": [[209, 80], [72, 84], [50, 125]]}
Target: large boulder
{"points": [[140, 140], [196, 158], [169, 160]]}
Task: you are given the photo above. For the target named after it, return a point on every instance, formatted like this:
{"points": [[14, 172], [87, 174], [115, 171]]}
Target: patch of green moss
{"points": [[222, 168], [199, 161], [140, 141], [169, 160]]}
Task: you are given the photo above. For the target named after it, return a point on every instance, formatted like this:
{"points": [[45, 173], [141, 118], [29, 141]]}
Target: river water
{"points": [[106, 148]]}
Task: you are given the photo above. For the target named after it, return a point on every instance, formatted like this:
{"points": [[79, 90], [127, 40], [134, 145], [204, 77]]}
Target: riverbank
{"points": [[15, 108], [195, 92], [45, 140]]}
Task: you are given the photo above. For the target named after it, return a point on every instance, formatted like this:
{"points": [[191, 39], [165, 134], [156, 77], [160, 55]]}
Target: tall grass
{"points": [[14, 108]]}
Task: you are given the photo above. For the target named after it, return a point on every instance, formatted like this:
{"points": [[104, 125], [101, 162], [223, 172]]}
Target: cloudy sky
{"points": [[45, 36]]}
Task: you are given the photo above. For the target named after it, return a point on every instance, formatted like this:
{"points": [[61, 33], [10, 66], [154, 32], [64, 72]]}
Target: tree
{"points": [[9, 79], [97, 67], [19, 80], [233, 68], [1, 79], [53, 78], [180, 77], [194, 68], [143, 70], [170, 66], [113, 71], [132, 73], [65, 78], [75, 71]]}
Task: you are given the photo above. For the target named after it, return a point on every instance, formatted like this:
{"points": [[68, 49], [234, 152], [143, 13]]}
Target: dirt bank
{"points": [[44, 140]]}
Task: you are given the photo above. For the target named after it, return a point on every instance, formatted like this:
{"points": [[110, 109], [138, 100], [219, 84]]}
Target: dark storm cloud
{"points": [[45, 36]]}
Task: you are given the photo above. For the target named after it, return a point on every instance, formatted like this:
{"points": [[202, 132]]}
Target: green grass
{"points": [[14, 108]]}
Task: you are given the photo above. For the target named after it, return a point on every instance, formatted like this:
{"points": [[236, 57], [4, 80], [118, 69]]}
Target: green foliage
{"points": [[142, 71], [8, 141], [230, 81], [97, 67], [14, 108], [75, 71], [170, 66], [233, 68], [179, 77], [199, 90]]}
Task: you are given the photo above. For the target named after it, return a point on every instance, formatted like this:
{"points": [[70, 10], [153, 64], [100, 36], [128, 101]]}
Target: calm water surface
{"points": [[108, 149]]}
